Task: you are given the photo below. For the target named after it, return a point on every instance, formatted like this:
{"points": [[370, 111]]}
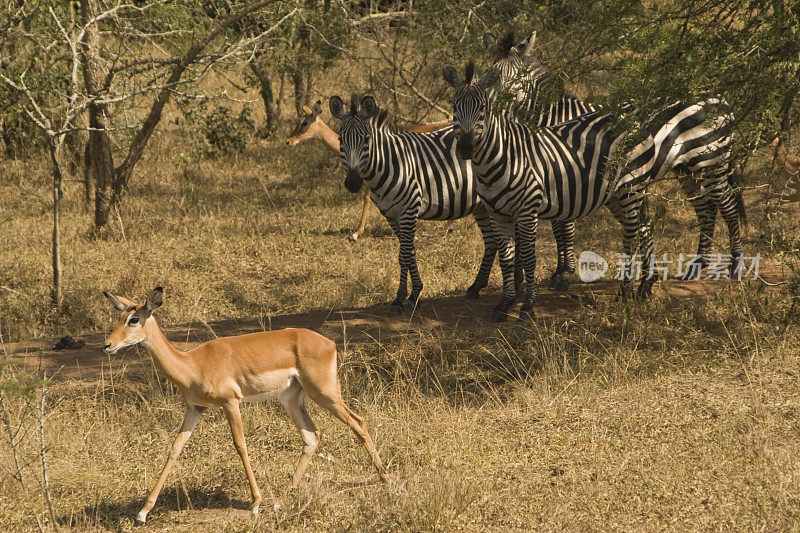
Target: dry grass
{"points": [[679, 413]]}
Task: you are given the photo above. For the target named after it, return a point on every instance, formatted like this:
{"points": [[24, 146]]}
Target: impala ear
{"points": [[524, 48], [451, 76], [337, 107], [116, 302], [306, 110], [368, 107], [489, 79], [317, 109], [154, 300], [489, 40]]}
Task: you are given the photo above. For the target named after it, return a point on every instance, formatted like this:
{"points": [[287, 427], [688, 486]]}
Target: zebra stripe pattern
{"points": [[411, 176], [693, 140], [557, 173]]}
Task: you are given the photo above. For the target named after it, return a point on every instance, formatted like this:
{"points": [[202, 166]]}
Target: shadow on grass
{"points": [[118, 514]]}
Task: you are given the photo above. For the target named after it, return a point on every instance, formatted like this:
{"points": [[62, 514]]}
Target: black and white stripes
{"points": [[411, 176]]}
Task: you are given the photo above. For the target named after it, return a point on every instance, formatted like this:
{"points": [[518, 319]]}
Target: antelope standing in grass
{"points": [[286, 364], [311, 126]]}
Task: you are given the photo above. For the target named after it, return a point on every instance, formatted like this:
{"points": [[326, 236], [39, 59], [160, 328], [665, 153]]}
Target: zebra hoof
{"points": [[645, 289], [561, 285], [472, 295], [396, 309], [526, 313], [499, 316]]}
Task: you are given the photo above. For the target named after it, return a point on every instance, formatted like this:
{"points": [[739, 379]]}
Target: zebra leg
{"points": [[706, 212], [646, 251], [731, 207], [519, 271], [402, 290], [564, 234], [503, 228], [408, 228], [630, 225], [526, 254], [489, 251]]}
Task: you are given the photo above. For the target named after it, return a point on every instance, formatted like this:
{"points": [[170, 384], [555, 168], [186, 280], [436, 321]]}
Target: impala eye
{"points": [[133, 320], [304, 124]]}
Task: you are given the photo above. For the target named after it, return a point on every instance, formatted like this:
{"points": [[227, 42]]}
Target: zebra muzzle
{"points": [[464, 146], [353, 181]]}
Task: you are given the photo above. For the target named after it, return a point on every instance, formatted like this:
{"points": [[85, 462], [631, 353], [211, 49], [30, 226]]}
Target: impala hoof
{"points": [[141, 518], [255, 509], [353, 237]]}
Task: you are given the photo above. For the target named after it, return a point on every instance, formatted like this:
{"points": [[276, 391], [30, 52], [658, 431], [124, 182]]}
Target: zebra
{"points": [[561, 172], [411, 176], [694, 142]]}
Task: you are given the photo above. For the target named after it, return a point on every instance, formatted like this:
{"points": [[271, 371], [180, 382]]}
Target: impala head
{"points": [[131, 328], [355, 135], [472, 103], [305, 125]]}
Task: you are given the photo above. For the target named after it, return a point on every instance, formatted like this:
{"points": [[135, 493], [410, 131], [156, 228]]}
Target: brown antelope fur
{"points": [[310, 126], [790, 168], [287, 364]]}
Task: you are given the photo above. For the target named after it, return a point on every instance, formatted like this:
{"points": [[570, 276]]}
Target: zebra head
{"points": [[472, 103], [522, 76], [355, 133]]}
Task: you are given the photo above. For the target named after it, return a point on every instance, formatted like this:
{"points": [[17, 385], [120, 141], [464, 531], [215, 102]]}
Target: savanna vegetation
{"points": [[142, 143]]}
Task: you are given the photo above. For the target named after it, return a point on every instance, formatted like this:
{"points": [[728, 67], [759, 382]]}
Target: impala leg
{"points": [[190, 419], [234, 417], [293, 401], [331, 400], [363, 223]]}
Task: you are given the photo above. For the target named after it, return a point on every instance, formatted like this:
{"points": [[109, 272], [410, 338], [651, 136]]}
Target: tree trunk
{"points": [[299, 92], [101, 163], [56, 295], [265, 90]]}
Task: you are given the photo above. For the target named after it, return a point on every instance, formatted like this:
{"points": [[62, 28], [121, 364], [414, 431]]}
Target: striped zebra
{"points": [[410, 176], [562, 172], [694, 140]]}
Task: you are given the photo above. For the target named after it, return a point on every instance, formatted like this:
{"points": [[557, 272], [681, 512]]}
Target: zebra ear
{"points": [[337, 107], [317, 109], [451, 76], [524, 48], [489, 79], [489, 40], [367, 108]]}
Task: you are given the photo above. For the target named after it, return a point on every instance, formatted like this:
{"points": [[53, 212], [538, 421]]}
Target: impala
{"points": [[310, 126], [286, 364]]}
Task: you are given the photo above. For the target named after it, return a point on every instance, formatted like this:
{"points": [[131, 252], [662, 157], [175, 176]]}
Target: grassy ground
{"points": [[682, 412]]}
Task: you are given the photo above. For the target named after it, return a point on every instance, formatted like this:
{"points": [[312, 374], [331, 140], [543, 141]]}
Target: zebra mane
{"points": [[469, 71], [505, 44], [380, 117], [355, 103]]}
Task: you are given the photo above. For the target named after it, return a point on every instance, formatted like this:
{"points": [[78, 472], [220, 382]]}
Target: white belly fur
{"points": [[272, 391]]}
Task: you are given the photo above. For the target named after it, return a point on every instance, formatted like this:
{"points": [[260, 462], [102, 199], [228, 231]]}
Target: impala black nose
{"points": [[107, 346]]}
